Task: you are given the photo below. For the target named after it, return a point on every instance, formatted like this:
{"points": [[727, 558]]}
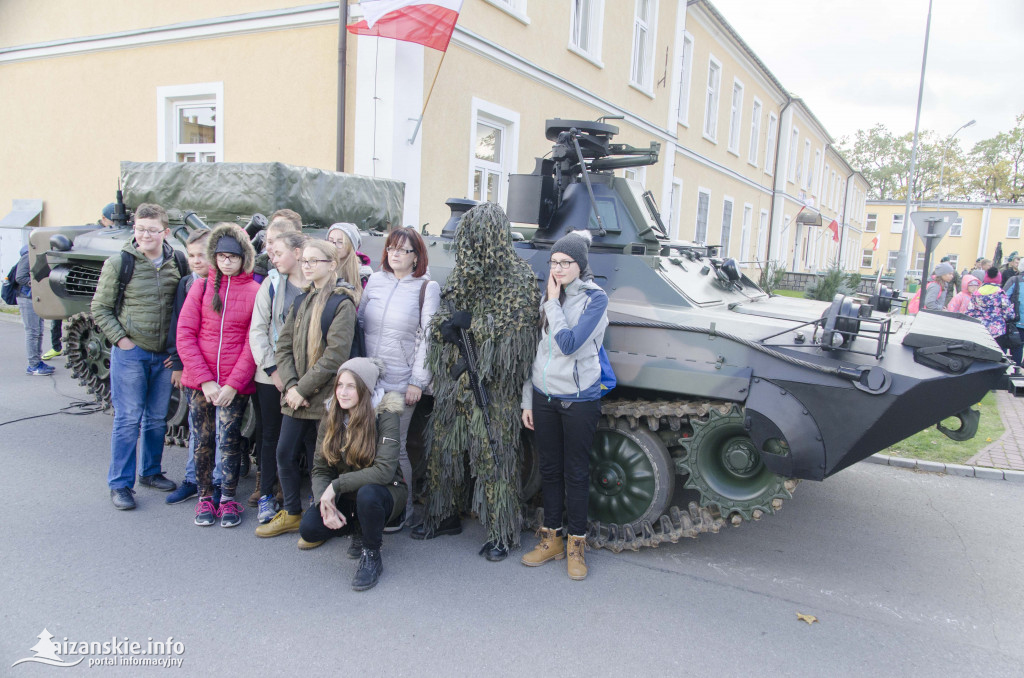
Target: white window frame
{"points": [[596, 16], [823, 190], [815, 178], [871, 223], [896, 224], [685, 77], [867, 258], [745, 227], [794, 161], [762, 236], [956, 229], [499, 116], [676, 207], [807, 164], [1013, 227], [642, 61], [514, 8], [954, 261], [726, 243], [784, 240], [769, 151], [735, 117], [890, 261], [713, 95], [168, 98], [638, 174], [707, 217], [755, 131]]}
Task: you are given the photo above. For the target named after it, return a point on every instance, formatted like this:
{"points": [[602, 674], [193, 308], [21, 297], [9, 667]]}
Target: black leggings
{"points": [[370, 505], [564, 431], [296, 435], [269, 399]]}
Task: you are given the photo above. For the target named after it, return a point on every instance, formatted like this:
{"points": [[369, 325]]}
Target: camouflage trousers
{"points": [[204, 418]]}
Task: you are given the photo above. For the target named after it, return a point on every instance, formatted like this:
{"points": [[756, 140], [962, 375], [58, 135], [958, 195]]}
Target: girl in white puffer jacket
{"points": [[395, 313]]}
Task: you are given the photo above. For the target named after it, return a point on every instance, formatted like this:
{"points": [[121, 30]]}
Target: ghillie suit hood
{"points": [[500, 291]]}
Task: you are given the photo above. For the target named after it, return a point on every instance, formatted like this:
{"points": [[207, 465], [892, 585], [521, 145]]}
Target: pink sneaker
{"points": [[230, 513], [206, 512]]}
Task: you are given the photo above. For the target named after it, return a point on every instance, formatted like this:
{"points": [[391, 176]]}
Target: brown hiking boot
{"points": [[280, 524], [254, 498], [551, 547], [577, 566]]}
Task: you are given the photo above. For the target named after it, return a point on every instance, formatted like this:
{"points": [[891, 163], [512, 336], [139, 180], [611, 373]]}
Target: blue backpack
{"points": [[10, 287], [608, 380]]}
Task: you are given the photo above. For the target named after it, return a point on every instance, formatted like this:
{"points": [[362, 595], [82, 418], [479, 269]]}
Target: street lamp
{"points": [[949, 142]]}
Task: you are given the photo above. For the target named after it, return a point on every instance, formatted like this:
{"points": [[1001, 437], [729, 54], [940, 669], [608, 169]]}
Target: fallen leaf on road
{"points": [[988, 440], [809, 618]]}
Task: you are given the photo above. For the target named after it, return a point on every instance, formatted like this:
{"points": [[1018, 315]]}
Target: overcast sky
{"points": [[858, 62]]}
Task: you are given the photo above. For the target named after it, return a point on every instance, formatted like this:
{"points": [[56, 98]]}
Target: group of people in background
{"points": [[335, 357]]}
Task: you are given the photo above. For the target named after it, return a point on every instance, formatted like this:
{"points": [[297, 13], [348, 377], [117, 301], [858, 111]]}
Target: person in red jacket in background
{"points": [[213, 345]]}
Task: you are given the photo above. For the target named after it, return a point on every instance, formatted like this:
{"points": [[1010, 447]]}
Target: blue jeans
{"points": [[190, 466], [140, 389], [33, 331]]}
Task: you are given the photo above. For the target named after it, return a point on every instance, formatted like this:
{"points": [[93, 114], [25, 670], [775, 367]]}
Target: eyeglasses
{"points": [[313, 262], [563, 264], [227, 256], [148, 231], [399, 250]]}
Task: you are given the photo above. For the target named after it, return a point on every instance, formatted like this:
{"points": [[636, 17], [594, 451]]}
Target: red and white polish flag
{"points": [[426, 22], [834, 227], [874, 243]]}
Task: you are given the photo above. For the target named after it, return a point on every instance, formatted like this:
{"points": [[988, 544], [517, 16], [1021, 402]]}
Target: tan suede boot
{"points": [[551, 547], [254, 498], [577, 566]]}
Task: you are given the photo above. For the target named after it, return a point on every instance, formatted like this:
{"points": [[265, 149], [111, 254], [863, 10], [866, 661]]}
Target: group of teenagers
{"points": [[337, 356], [988, 294]]}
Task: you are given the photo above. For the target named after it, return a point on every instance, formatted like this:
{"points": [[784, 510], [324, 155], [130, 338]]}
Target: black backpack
{"points": [[10, 287], [128, 270]]}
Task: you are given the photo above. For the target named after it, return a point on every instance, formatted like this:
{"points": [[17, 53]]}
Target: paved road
{"points": [[909, 574]]}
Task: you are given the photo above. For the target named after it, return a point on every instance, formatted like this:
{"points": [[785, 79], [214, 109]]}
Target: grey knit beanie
{"points": [[367, 369], [575, 244], [350, 230], [943, 269]]}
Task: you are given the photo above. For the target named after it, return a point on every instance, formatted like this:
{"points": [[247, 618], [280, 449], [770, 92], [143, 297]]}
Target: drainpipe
{"points": [[342, 68], [775, 178]]}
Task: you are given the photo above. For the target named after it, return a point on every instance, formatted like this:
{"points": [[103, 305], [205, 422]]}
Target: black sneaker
{"points": [[158, 482], [122, 498], [370, 569]]}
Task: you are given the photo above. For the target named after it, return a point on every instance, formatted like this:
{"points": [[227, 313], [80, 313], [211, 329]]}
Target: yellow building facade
{"points": [[258, 81], [977, 231]]}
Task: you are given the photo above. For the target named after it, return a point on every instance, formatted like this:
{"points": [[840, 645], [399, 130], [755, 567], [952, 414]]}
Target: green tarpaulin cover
{"points": [[225, 191]]}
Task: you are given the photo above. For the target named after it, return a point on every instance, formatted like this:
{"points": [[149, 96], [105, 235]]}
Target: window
{"points": [[1013, 228], [762, 236], [890, 264], [793, 164], [823, 191], [516, 8], [735, 117], [769, 151], [867, 258], [832, 190], [748, 217], [636, 174], [495, 141], [919, 260], [755, 132], [784, 240], [586, 25], [897, 224], [643, 44], [685, 71], [871, 225], [726, 226], [703, 202], [711, 100], [675, 202], [954, 260], [816, 174], [957, 229], [190, 124], [807, 164]]}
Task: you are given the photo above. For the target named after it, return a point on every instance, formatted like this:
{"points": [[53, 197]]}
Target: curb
{"points": [[950, 469]]}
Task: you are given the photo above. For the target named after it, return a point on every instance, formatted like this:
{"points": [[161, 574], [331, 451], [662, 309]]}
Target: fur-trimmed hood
{"points": [[238, 234], [393, 401]]}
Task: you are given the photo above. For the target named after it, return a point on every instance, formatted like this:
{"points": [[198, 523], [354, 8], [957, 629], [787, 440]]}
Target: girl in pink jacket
{"points": [[968, 287], [213, 344]]}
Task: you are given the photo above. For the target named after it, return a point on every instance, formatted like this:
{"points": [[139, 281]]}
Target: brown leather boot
{"points": [[551, 547], [254, 498], [577, 566]]}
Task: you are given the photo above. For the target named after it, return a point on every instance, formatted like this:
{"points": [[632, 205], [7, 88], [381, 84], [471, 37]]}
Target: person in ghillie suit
{"points": [[499, 290]]}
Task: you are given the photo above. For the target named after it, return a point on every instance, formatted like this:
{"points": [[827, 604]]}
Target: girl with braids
{"points": [[278, 292], [213, 345], [354, 264], [357, 485], [499, 291], [395, 311], [307, 360]]}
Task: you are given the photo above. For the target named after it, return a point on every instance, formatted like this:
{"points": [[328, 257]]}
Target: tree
{"points": [[997, 166]]}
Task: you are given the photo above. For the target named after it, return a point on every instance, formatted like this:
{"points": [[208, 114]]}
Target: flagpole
{"points": [[426, 101]]}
